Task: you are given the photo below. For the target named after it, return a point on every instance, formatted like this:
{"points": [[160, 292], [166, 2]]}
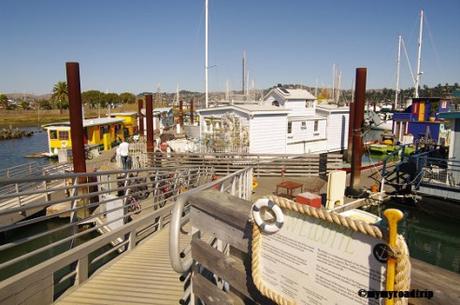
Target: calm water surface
{"points": [[13, 152], [430, 237]]}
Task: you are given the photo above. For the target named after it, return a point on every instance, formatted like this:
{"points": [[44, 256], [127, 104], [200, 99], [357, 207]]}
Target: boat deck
{"points": [[143, 276]]}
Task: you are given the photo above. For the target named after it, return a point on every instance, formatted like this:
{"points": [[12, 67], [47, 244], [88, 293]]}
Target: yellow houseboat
{"points": [[129, 122], [94, 131]]}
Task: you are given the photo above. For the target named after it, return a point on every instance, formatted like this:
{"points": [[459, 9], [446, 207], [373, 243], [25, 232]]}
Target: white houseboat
{"points": [[286, 121]]}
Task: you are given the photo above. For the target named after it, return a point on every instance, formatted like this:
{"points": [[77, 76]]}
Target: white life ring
{"points": [[267, 227]]}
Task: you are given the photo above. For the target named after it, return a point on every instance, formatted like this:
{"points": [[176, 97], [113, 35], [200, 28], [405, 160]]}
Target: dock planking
{"points": [[142, 276]]}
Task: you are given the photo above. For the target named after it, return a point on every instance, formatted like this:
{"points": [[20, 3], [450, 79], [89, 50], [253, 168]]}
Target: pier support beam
{"points": [[181, 113], [76, 117], [358, 118], [140, 105], [149, 118], [191, 112]]}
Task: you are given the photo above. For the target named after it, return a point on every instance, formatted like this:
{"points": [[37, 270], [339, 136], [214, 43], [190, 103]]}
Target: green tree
{"points": [[44, 104], [59, 97], [110, 98], [3, 101], [127, 98], [93, 98], [24, 105]]}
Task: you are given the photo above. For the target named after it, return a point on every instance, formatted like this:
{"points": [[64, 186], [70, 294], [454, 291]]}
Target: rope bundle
{"points": [[401, 253]]}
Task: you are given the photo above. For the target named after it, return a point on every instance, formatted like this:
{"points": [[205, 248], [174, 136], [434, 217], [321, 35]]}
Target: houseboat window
{"points": [[304, 125], [63, 135], [316, 126], [289, 127], [53, 134], [308, 104], [275, 103]]}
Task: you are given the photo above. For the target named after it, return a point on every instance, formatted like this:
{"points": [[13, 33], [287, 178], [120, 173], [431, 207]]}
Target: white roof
{"points": [[249, 109], [124, 113], [293, 94], [162, 109], [332, 108], [88, 122], [158, 110], [305, 118]]}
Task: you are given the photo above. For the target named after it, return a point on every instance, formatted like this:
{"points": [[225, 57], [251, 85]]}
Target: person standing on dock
{"points": [[123, 151]]}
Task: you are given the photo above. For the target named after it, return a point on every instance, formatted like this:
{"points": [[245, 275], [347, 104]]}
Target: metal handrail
{"points": [[181, 265], [193, 175]]}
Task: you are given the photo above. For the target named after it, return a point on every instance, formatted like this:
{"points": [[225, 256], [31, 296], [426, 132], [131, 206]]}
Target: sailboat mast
{"points": [[419, 55], [398, 64], [243, 89], [206, 53], [333, 82]]}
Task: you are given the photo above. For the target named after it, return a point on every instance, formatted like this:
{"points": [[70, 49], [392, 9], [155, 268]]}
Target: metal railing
{"points": [[264, 165], [31, 169], [238, 184], [445, 172], [123, 206]]}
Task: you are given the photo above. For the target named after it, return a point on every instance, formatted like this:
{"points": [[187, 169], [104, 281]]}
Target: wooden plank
{"points": [[229, 234], [210, 294], [443, 283], [229, 268], [227, 208]]}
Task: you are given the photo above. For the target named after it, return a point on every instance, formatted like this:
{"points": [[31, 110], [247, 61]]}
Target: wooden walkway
{"points": [[143, 276]]}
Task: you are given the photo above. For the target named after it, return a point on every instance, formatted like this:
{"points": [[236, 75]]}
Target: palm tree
{"points": [[59, 97]]}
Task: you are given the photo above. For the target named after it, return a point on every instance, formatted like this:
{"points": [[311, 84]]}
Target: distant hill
{"points": [[28, 96]]}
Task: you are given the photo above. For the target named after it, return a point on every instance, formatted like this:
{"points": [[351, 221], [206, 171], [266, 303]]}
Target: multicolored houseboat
{"points": [[97, 132], [421, 120]]}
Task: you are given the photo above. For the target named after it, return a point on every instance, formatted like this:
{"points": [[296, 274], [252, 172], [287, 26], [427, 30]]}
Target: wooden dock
{"points": [[144, 276]]}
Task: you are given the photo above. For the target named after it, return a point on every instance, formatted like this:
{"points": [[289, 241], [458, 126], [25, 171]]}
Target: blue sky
{"points": [[136, 45]]}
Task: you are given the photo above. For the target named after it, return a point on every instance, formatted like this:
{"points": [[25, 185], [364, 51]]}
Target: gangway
{"points": [[77, 266]]}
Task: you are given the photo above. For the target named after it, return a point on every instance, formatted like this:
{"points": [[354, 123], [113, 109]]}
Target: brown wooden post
{"points": [[76, 117], [76, 132], [360, 98], [149, 118], [191, 112], [140, 105], [181, 113]]}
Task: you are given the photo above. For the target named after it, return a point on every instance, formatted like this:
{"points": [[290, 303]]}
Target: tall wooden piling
{"points": [[191, 112], [76, 116], [358, 119], [140, 105], [76, 135], [181, 113], [149, 118]]}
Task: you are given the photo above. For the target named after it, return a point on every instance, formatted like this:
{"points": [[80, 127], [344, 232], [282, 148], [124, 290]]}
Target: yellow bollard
{"points": [[106, 141], [393, 216]]}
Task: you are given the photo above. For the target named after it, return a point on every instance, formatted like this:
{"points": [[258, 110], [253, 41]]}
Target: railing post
{"points": [[258, 166], [132, 240], [17, 192], [82, 270]]}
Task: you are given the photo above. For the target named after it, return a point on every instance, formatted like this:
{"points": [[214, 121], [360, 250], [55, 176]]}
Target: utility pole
{"points": [[419, 55]]}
